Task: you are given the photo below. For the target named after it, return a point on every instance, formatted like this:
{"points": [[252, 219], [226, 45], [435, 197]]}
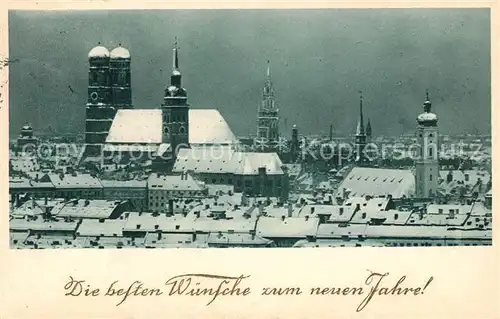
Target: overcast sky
{"points": [[320, 59]]}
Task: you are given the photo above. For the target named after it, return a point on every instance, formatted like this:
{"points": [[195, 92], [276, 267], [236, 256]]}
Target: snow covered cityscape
{"points": [[391, 155]]}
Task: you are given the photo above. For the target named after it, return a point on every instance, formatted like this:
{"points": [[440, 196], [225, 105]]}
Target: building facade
{"points": [[164, 190]]}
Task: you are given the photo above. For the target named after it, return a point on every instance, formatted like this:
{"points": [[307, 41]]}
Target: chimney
{"points": [[331, 132], [307, 217], [261, 209], [289, 209], [312, 209]]}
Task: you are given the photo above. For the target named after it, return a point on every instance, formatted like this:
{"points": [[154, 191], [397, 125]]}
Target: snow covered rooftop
{"points": [[363, 181], [214, 160]]}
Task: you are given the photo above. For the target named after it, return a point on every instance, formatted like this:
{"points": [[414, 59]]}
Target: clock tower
{"points": [[99, 110]]}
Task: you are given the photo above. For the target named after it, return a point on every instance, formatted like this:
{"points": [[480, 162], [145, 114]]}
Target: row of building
{"points": [[224, 222]]}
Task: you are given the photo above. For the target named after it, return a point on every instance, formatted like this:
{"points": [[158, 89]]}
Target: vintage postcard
{"points": [[351, 147]]}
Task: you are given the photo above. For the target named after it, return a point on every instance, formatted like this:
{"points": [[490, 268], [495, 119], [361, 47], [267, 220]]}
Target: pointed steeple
{"points": [[175, 79], [360, 130], [268, 86], [175, 57], [368, 129], [427, 103]]}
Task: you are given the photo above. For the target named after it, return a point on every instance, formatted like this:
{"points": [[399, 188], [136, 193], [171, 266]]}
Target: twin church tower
{"points": [[108, 90]]}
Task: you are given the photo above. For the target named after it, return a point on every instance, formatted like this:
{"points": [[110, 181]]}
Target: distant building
{"points": [[427, 162], [294, 145], [133, 190], [27, 142], [253, 173], [163, 190], [74, 185], [364, 181]]}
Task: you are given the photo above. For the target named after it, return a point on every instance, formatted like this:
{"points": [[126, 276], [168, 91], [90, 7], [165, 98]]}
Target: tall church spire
{"points": [[360, 130], [175, 57], [175, 79]]}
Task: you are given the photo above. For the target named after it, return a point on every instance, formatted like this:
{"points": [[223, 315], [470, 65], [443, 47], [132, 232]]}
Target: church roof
{"points": [[206, 126], [363, 181]]}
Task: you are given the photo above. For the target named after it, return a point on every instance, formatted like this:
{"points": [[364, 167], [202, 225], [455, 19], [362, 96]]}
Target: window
{"points": [[165, 130], [230, 180], [466, 177], [396, 216], [341, 210], [363, 215], [430, 177], [440, 210], [213, 180], [182, 129], [430, 152]]}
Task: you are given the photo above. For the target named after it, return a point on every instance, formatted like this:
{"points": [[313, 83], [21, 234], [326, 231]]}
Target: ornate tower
{"points": [[267, 117], [99, 111], [360, 139], [119, 68], [427, 161], [175, 109]]}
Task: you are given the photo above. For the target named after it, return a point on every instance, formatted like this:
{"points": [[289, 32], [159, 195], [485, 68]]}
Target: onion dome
{"points": [[120, 53], [27, 127], [99, 52], [427, 118]]}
